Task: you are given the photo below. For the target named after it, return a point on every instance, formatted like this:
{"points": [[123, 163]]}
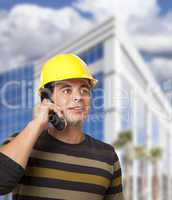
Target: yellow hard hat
{"points": [[65, 66]]}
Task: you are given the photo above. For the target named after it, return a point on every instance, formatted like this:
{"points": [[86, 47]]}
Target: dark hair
{"points": [[47, 91]]}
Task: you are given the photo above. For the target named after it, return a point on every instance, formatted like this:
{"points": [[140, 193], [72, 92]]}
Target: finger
{"points": [[57, 111], [44, 101], [53, 107]]}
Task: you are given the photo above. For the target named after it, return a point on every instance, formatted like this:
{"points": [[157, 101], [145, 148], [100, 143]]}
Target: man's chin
{"points": [[76, 120], [76, 117]]}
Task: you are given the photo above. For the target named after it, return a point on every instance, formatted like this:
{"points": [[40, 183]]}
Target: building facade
{"points": [[126, 98]]}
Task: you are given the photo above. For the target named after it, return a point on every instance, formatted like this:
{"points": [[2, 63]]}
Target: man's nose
{"points": [[77, 96]]}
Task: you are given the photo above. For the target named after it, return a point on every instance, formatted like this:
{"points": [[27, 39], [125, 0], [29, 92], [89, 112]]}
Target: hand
{"points": [[41, 112]]}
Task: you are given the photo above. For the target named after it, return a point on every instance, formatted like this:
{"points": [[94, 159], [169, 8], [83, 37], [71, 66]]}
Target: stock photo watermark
{"points": [[122, 100], [21, 91]]}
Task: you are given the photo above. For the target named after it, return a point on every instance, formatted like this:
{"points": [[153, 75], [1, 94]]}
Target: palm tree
{"points": [[141, 154], [131, 152], [124, 141], [155, 155]]}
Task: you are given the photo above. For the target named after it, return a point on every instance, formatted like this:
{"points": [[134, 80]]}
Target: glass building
{"points": [[126, 98], [16, 99], [94, 122]]}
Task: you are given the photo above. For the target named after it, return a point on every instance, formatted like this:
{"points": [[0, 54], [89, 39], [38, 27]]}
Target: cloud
{"points": [[29, 32], [155, 35], [162, 68], [150, 32], [156, 45], [123, 9]]}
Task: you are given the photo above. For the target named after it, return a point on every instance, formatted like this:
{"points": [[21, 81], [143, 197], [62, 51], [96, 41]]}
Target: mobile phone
{"points": [[54, 119]]}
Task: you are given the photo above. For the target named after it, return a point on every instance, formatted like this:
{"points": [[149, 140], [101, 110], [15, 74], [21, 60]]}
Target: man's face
{"points": [[73, 97]]}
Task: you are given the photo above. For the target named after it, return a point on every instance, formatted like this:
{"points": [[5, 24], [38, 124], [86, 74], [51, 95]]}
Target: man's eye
{"points": [[85, 91], [67, 91]]}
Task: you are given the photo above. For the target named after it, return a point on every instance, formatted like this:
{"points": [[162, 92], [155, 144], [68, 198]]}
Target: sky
{"points": [[31, 28]]}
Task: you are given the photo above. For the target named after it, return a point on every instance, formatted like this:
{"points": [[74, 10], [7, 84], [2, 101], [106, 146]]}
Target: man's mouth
{"points": [[77, 108]]}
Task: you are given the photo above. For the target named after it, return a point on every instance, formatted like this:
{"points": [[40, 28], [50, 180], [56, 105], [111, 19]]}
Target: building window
{"points": [[93, 54], [142, 124], [94, 124], [126, 105], [16, 100], [155, 130]]}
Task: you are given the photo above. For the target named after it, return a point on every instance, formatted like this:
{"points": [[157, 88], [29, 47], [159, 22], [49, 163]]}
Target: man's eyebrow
{"points": [[86, 85], [64, 85], [67, 85]]}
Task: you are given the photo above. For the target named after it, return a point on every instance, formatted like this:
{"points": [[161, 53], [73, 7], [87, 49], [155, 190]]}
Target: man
{"points": [[43, 162]]}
